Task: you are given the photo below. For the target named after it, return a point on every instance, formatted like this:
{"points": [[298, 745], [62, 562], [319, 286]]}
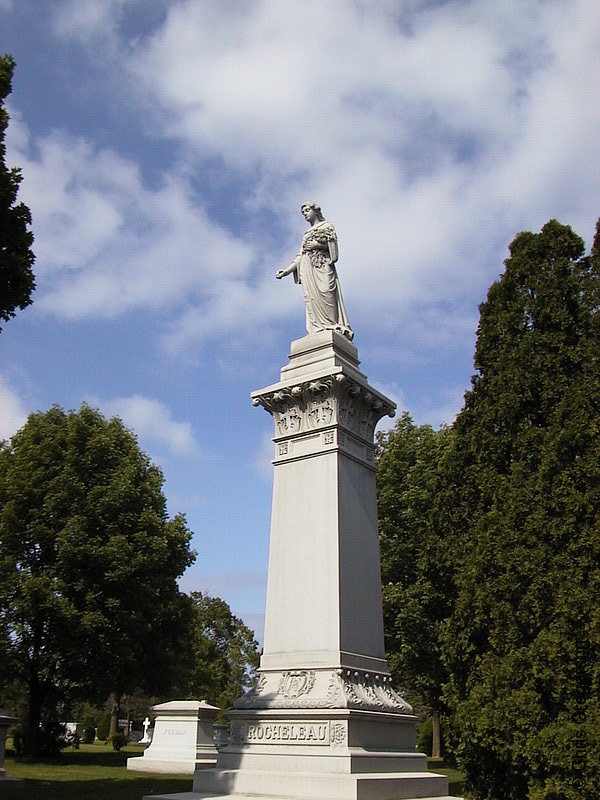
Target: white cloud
{"points": [[105, 242], [12, 411], [394, 393], [256, 623], [234, 308], [428, 134], [273, 85], [221, 584], [243, 590], [441, 410], [152, 421]]}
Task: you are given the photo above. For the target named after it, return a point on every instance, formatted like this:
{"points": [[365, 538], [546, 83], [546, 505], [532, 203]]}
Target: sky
{"points": [[166, 147]]}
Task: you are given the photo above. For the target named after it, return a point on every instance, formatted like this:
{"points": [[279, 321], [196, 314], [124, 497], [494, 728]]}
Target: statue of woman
{"points": [[314, 269]]}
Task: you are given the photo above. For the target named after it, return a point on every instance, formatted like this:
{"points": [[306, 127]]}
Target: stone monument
{"points": [[323, 720], [182, 741], [6, 722], [146, 737]]}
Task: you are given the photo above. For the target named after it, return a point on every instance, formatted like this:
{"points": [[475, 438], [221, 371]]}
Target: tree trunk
{"points": [[34, 716], [115, 712], [436, 742], [128, 726]]}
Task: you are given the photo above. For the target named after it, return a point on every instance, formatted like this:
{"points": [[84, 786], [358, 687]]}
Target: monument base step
{"points": [[176, 766], [198, 796], [242, 784]]}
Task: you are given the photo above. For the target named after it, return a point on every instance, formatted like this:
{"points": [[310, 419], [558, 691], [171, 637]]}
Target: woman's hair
{"points": [[315, 208]]}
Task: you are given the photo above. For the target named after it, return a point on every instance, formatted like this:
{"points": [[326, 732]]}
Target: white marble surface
{"points": [[323, 721], [182, 741]]}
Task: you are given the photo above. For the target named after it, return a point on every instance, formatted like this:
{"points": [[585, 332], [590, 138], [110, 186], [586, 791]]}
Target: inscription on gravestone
{"points": [[315, 733]]}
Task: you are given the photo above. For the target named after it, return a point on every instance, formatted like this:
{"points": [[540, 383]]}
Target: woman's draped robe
{"points": [[315, 271]]}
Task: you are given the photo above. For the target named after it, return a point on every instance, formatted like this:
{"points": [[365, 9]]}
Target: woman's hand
{"points": [[313, 245]]}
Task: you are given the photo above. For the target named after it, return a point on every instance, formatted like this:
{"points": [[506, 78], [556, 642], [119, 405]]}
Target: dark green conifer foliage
{"points": [[523, 500], [16, 257], [89, 602]]}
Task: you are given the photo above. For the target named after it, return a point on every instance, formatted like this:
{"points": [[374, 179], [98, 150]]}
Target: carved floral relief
{"points": [[316, 404], [346, 688]]}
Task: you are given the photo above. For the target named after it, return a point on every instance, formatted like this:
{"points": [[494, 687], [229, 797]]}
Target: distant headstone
{"points": [[6, 722], [182, 741], [73, 730], [147, 737]]}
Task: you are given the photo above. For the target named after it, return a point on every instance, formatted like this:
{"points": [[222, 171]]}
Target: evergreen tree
{"points": [[523, 501], [89, 602], [16, 258]]}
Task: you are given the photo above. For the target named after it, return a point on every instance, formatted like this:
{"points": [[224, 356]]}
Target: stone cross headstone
{"points": [[146, 728]]}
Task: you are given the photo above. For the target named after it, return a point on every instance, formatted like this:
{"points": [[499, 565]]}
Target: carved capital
{"points": [[334, 399]]}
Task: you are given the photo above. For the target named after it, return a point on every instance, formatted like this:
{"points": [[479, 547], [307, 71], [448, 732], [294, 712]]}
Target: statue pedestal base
{"points": [[321, 754]]}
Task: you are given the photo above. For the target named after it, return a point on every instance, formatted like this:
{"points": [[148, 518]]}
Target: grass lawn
{"points": [[455, 778], [94, 772], [97, 772]]}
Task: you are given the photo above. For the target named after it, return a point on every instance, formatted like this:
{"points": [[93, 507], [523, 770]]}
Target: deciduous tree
{"points": [[416, 574], [89, 602], [224, 653]]}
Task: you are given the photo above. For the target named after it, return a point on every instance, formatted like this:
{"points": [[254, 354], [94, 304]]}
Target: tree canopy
{"points": [[89, 602], [16, 257], [416, 574], [491, 540], [523, 642], [224, 653]]}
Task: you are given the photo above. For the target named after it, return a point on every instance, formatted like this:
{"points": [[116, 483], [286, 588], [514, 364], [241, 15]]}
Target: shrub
{"points": [[103, 727], [118, 740], [425, 737], [89, 735], [51, 740], [73, 740]]}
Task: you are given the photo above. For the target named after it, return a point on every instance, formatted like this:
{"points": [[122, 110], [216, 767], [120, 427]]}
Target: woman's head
{"points": [[314, 207]]}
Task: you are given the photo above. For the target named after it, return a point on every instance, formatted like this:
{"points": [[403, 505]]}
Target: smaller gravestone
{"points": [[146, 738], [73, 731], [6, 722], [182, 741]]}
